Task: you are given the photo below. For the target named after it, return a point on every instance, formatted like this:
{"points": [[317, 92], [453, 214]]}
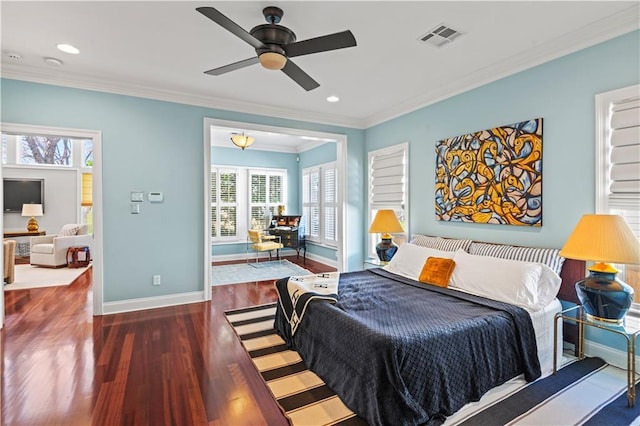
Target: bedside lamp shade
{"points": [[603, 239], [32, 210], [386, 223]]}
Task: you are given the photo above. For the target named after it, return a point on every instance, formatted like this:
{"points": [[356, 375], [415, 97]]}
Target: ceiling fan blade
{"points": [[229, 25], [299, 76], [320, 44], [234, 66]]}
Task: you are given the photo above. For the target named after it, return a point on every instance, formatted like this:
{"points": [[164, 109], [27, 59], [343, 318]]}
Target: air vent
{"points": [[440, 36]]}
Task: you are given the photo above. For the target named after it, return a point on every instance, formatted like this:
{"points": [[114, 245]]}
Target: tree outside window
{"points": [[46, 150]]}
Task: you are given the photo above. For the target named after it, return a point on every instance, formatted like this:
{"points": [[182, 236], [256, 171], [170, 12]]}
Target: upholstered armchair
{"points": [[259, 241], [9, 247], [51, 250]]}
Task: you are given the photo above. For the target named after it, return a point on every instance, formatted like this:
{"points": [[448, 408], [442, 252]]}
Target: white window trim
{"points": [[373, 239], [321, 204], [603, 131]]}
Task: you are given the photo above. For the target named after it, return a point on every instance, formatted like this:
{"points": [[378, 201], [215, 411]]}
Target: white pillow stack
{"points": [[526, 284]]}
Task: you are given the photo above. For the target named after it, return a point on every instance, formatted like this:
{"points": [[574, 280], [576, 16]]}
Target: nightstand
{"points": [[629, 329], [374, 263]]}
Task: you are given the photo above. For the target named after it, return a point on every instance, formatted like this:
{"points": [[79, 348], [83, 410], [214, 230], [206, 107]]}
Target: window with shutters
{"points": [[224, 204], [242, 199], [319, 204], [388, 188], [266, 193], [618, 165]]}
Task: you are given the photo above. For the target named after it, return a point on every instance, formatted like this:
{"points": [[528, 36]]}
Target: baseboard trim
{"points": [[612, 356], [242, 256], [152, 302]]}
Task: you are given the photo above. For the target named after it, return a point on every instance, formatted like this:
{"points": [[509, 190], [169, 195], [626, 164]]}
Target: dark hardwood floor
{"points": [[180, 365]]}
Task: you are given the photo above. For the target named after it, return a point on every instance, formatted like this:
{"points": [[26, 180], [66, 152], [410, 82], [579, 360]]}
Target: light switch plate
{"points": [[137, 196], [135, 208], [156, 197]]}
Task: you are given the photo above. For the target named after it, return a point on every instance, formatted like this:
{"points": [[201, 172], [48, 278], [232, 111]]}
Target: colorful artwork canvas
{"points": [[491, 176]]}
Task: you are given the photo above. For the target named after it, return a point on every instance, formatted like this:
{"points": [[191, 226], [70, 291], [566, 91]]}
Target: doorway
{"points": [[340, 141], [96, 209]]}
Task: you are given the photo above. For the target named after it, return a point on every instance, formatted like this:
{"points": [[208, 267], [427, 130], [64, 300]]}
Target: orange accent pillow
{"points": [[437, 271]]}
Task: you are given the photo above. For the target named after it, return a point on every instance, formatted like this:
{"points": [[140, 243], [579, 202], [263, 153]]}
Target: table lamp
{"points": [[386, 222], [603, 239], [32, 210]]}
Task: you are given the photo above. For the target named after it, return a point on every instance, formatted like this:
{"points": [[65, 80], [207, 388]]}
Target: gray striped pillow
{"points": [[440, 243], [548, 256]]}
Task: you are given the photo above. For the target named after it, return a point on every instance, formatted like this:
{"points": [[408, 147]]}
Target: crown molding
{"points": [[603, 30], [131, 88]]}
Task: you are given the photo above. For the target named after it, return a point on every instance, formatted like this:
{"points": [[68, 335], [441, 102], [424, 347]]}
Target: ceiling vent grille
{"points": [[440, 36]]}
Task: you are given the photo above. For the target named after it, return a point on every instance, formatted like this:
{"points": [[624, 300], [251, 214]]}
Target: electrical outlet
{"points": [[156, 280]]}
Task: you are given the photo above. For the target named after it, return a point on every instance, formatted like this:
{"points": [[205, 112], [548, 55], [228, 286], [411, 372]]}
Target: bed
{"points": [[404, 352]]}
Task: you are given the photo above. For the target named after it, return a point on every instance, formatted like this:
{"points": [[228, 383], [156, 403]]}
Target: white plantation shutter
{"points": [[267, 192], [330, 205], [224, 203], [214, 203], [306, 197], [624, 187], [314, 205], [387, 179], [319, 203], [618, 154]]}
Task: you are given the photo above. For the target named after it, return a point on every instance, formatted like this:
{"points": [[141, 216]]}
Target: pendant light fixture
{"points": [[241, 140]]}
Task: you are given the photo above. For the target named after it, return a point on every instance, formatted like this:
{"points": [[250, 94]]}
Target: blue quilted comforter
{"points": [[399, 352]]}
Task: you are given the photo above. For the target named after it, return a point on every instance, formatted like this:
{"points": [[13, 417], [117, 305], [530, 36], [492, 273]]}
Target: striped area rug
{"points": [[588, 392]]}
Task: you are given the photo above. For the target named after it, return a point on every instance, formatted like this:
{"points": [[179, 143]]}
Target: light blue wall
{"points": [[319, 155], [151, 145], [562, 92]]}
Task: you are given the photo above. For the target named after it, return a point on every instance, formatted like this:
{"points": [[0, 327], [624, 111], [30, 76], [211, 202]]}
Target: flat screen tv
{"points": [[22, 191]]}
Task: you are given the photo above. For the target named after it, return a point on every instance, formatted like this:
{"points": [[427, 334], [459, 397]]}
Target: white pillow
{"points": [[69, 230], [410, 258], [526, 284]]}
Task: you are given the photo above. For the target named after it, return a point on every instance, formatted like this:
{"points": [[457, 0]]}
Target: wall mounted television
{"points": [[22, 191]]}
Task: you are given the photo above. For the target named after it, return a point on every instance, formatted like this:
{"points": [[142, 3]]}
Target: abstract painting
{"points": [[491, 176]]}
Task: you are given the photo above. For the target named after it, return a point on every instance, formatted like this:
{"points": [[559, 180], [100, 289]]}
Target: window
{"points": [[45, 150], [388, 189], [224, 206], [243, 199], [618, 165], [320, 204], [267, 192]]}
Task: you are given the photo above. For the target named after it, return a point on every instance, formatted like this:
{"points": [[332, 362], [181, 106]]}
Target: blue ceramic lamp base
{"points": [[386, 248], [604, 297]]}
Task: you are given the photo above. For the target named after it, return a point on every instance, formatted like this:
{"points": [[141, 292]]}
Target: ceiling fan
{"points": [[276, 44]]}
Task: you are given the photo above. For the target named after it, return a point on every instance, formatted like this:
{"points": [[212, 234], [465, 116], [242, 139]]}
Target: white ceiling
{"points": [[160, 50]]}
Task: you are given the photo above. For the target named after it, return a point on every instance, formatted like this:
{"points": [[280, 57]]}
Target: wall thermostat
{"points": [[155, 197]]}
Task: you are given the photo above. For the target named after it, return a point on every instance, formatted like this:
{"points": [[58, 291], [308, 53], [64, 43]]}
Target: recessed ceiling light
{"points": [[333, 98], [54, 62], [67, 48]]}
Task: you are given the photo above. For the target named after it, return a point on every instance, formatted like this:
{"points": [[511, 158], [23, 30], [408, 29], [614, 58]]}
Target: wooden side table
{"points": [[78, 257]]}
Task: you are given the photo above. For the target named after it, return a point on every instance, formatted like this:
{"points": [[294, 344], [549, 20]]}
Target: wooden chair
{"points": [[259, 242]]}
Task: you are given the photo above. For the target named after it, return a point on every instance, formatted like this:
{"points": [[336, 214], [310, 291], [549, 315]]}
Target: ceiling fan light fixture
{"points": [[272, 60], [241, 140]]}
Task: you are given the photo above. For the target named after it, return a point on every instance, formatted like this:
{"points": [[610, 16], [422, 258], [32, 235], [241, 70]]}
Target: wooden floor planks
{"points": [[179, 365]]}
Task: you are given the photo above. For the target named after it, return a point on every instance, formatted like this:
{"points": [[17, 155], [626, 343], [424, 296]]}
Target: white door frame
{"points": [[96, 246], [341, 162]]}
